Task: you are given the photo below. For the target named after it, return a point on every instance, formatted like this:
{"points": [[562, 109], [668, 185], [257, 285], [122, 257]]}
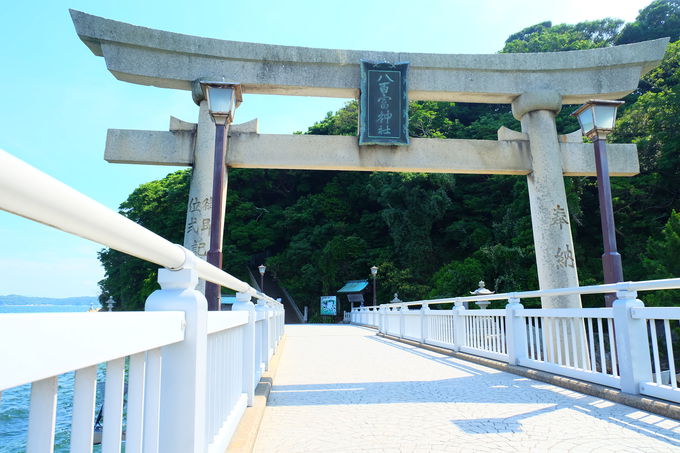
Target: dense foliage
{"points": [[434, 235]]}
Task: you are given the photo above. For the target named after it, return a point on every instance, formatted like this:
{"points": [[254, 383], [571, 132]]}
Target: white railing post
{"points": [[271, 333], [424, 322], [402, 320], [516, 332], [282, 321], [381, 319], [458, 325], [632, 343], [243, 303], [184, 364], [264, 340]]}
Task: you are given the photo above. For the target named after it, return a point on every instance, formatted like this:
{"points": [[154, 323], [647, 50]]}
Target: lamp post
{"points": [[374, 273], [221, 98], [597, 120], [262, 268]]}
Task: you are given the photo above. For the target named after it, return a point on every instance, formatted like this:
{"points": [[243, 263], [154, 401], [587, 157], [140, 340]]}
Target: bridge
{"points": [[425, 375], [428, 375]]}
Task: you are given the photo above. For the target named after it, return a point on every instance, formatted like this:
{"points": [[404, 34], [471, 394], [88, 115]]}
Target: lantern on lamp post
{"points": [[222, 99], [597, 118], [374, 273], [262, 268]]}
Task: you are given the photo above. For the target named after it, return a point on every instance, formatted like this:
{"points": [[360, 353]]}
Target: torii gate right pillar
{"points": [[554, 246]]}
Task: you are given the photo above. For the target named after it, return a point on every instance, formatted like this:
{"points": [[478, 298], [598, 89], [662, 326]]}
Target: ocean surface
{"points": [[14, 403]]}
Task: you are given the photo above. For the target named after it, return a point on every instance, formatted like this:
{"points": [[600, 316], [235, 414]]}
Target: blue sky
{"points": [[57, 99]]}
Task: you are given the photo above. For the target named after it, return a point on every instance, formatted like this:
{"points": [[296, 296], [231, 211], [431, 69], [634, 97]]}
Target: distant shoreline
{"points": [[17, 300]]}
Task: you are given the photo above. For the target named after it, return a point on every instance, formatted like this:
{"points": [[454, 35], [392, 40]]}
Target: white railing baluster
{"points": [[591, 344], [476, 333], [655, 351], [472, 342], [612, 347], [571, 324], [603, 360], [135, 403], [497, 334], [585, 360], [547, 340], [556, 338], [532, 351], [222, 382], [669, 351], [487, 332], [503, 337], [152, 402], [113, 406], [42, 416], [210, 390], [82, 419], [483, 337], [537, 331], [566, 343]]}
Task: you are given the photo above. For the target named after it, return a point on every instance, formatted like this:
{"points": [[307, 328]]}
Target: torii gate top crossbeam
{"points": [[171, 60]]}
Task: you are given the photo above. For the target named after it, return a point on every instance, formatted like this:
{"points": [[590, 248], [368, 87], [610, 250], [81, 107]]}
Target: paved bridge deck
{"points": [[343, 389]]}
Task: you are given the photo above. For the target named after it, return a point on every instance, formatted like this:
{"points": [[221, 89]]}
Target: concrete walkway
{"points": [[343, 389]]}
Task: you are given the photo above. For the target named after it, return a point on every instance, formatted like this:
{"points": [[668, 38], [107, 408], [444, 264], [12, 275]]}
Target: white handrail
{"points": [[647, 285], [30, 193], [63, 342]]}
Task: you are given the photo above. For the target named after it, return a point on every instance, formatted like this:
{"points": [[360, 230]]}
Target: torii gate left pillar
{"points": [[199, 215]]}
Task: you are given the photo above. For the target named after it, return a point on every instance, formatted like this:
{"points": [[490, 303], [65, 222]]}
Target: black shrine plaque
{"points": [[384, 104]]}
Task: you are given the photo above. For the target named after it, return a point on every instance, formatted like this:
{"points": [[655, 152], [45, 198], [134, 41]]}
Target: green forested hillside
{"points": [[434, 235]]}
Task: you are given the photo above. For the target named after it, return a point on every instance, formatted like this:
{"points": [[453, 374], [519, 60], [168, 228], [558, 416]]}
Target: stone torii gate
{"points": [[536, 85]]}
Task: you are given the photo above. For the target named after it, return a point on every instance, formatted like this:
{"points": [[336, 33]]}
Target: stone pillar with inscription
{"points": [[554, 246], [197, 228], [555, 258]]}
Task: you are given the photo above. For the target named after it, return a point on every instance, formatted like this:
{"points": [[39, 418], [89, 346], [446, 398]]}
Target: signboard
{"points": [[384, 104], [328, 305]]}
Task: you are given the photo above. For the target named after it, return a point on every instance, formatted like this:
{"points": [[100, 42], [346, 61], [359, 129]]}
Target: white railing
{"points": [[578, 343], [664, 383], [41, 346], [629, 346], [190, 373]]}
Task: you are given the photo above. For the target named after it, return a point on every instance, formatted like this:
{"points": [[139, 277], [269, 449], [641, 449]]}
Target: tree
{"points": [[659, 19], [544, 37], [661, 260], [159, 206], [434, 235]]}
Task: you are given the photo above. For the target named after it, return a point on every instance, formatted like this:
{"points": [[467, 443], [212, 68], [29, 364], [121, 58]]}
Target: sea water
{"points": [[14, 403]]}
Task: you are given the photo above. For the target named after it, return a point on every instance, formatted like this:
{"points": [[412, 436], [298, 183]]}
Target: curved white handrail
{"points": [[647, 285], [30, 193]]}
